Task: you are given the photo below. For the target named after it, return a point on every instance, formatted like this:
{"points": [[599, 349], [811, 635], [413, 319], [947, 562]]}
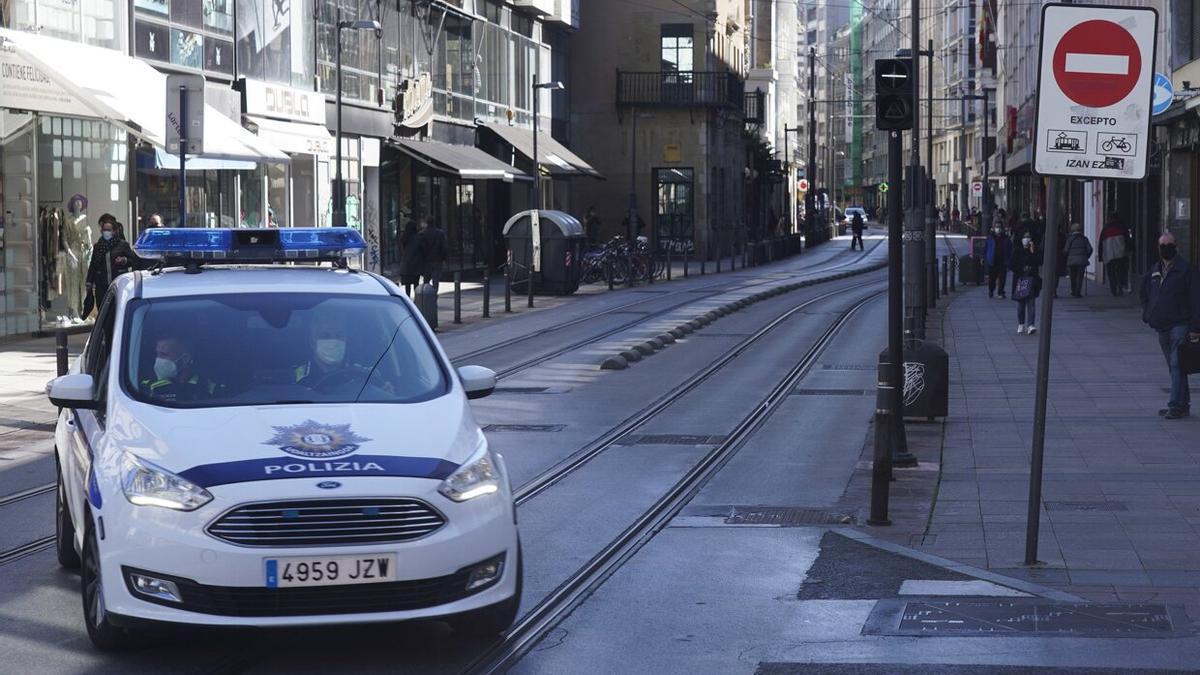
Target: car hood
{"points": [[217, 446]]}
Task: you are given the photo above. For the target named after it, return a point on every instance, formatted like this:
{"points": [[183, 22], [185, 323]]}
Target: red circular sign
{"points": [[803, 184], [1097, 63]]}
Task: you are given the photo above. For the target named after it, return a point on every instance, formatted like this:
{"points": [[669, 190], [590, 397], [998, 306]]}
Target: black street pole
{"points": [[810, 172], [183, 139], [537, 190], [1050, 267], [914, 228], [931, 286], [986, 218], [632, 180], [339, 200], [964, 180]]}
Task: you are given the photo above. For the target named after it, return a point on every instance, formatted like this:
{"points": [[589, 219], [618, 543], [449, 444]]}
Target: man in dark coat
{"points": [[997, 256], [1171, 306], [856, 227], [435, 250]]}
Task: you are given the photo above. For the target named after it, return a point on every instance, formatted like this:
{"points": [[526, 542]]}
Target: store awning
{"points": [[294, 137], [130, 93], [164, 161], [465, 161], [556, 158]]}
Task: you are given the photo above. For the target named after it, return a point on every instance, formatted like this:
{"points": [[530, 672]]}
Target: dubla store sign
{"points": [[271, 100], [1096, 77]]}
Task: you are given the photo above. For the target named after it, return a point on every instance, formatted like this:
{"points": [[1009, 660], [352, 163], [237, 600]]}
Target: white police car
{"points": [[270, 445]]}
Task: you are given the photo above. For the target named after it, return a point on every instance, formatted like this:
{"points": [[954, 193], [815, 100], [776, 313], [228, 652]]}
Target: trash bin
{"points": [[971, 268], [562, 246], [926, 380]]}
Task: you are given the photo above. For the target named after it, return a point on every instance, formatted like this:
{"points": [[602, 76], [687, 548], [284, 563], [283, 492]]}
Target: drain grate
{"points": [[786, 516], [1087, 506], [525, 427], [847, 366], [671, 439], [959, 617], [521, 390], [828, 392]]}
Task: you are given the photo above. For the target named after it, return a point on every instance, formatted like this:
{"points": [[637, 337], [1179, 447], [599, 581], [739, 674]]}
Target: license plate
{"points": [[330, 570]]}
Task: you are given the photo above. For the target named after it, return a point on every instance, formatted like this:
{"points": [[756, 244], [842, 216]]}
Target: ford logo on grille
{"points": [[329, 485]]}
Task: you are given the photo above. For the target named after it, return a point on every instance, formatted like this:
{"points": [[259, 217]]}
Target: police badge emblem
{"points": [[313, 440]]}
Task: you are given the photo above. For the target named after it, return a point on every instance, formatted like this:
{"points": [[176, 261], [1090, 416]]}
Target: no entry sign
{"points": [[1096, 76]]}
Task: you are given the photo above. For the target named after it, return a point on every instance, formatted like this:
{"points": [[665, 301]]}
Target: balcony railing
{"points": [[680, 89]]}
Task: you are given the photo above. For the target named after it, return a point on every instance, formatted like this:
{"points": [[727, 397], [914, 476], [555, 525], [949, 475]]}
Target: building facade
{"points": [[664, 117]]}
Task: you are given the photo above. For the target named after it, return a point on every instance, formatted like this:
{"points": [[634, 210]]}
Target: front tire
{"points": [[64, 528], [106, 636]]}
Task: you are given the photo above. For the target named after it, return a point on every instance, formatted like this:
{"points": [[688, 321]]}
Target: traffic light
{"points": [[893, 94]]}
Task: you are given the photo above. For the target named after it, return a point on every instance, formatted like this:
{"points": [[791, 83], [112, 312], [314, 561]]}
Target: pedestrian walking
{"points": [[856, 227], [1026, 264], [1114, 255], [411, 262], [111, 257], [435, 249], [1171, 306], [997, 255], [591, 226], [1078, 253]]}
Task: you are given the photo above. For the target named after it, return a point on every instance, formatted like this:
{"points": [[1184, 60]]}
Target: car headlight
{"points": [[477, 476], [145, 484]]}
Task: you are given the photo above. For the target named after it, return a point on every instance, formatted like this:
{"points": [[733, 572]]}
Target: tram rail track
{"points": [[555, 606]]}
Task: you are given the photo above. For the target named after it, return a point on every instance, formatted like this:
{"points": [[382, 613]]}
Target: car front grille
{"points": [[327, 522], [257, 601]]}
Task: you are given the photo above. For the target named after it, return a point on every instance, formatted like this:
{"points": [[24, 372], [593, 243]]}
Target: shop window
{"points": [[673, 209]]}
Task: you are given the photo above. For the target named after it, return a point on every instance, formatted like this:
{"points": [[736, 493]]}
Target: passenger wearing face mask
{"points": [[175, 377], [997, 256], [1171, 306], [1027, 283]]}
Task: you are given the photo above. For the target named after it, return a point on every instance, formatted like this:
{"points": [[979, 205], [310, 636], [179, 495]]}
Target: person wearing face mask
{"points": [[1171, 306], [997, 256], [175, 377], [328, 363], [1027, 283], [111, 257]]}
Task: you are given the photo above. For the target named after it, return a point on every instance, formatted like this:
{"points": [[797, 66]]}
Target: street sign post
{"points": [[802, 185], [1095, 77], [185, 126], [976, 188]]}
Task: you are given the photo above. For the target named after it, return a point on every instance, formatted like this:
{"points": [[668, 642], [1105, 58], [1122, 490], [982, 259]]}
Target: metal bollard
{"points": [[953, 270], [458, 297], [945, 273], [608, 272], [685, 262], [702, 261], [668, 263], [508, 289], [719, 254], [650, 269], [60, 351], [487, 295]]}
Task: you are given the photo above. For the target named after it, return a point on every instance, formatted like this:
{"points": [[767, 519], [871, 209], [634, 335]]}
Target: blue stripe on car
{"points": [[272, 468]]}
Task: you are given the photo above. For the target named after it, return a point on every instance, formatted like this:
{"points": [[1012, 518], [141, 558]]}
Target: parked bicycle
{"points": [[625, 263]]}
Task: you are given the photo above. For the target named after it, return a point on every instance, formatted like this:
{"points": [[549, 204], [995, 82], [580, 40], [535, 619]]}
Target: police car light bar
{"points": [[250, 244]]}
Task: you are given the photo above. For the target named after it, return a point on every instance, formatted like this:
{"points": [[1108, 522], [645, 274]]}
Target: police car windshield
{"points": [[277, 348]]}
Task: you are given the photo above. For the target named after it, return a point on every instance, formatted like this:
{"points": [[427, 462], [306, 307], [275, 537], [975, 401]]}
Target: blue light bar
{"points": [[250, 244]]}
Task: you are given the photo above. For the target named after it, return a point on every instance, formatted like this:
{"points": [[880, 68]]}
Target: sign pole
{"points": [[1050, 266], [183, 136]]}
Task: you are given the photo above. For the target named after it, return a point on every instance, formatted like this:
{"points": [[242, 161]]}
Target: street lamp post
{"points": [[339, 188], [537, 172]]}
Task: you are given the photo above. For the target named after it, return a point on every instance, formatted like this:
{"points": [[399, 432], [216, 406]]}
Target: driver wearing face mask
{"points": [[327, 340], [175, 377]]}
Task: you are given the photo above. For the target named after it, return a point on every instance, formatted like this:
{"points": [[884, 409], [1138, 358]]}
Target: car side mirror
{"points": [[477, 381], [73, 391]]}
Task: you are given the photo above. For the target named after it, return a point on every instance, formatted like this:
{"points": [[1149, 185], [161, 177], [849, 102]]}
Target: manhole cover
{"points": [[525, 427], [1087, 506], [1023, 616], [671, 439], [521, 390], [847, 366], [785, 516], [828, 392]]}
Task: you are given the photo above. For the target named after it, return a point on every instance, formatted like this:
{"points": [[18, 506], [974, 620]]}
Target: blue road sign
{"points": [[1164, 94]]}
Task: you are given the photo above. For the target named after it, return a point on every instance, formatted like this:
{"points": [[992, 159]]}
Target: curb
{"points": [[624, 357]]}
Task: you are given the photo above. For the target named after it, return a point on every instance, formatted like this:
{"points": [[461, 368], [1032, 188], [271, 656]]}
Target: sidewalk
{"points": [[1120, 516]]}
